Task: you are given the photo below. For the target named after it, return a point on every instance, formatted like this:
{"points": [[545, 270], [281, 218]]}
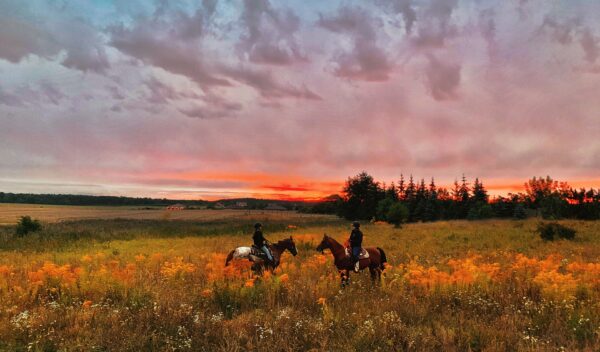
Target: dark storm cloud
{"points": [[561, 31], [366, 60], [266, 84], [403, 7], [43, 93], [590, 46], [24, 33], [435, 24], [269, 36], [10, 99], [443, 78], [150, 42]]}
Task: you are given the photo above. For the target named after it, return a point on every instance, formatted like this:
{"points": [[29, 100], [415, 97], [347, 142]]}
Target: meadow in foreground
{"points": [[109, 285]]}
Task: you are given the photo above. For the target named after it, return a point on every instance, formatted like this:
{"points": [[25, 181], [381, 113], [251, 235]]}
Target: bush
{"points": [[26, 225], [397, 214], [550, 231], [519, 212], [480, 211], [383, 207]]}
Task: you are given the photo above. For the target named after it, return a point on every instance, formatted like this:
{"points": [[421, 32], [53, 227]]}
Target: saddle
{"points": [[257, 252], [363, 253]]}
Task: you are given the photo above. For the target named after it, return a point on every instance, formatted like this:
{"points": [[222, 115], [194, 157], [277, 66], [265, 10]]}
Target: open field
{"points": [[155, 284], [10, 213]]}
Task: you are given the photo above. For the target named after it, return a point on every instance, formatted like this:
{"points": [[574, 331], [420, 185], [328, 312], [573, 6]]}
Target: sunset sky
{"points": [[286, 99]]}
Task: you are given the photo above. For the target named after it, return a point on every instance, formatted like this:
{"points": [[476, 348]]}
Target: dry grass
{"points": [[451, 286], [10, 213]]}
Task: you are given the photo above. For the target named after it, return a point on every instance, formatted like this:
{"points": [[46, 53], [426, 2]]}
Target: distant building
{"points": [[219, 205], [241, 204], [273, 206], [177, 206]]}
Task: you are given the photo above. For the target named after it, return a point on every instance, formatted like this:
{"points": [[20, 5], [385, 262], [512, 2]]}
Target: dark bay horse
{"points": [[260, 264], [343, 262]]}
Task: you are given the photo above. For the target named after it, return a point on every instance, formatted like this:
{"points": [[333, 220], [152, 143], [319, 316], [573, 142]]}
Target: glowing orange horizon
{"points": [[297, 188]]}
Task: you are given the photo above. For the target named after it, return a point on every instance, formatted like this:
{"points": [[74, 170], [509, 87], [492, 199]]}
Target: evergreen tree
{"points": [[479, 192], [431, 212], [420, 201], [401, 188], [410, 198], [463, 192], [397, 214], [361, 195], [392, 192], [411, 190], [463, 199]]}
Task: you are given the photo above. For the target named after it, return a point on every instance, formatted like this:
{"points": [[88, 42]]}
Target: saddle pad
{"points": [[257, 252], [363, 253]]}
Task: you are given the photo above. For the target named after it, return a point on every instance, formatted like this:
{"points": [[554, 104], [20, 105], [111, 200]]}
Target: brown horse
{"points": [[344, 264], [257, 257]]}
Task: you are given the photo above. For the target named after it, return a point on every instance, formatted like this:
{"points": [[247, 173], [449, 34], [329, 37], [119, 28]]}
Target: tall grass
{"points": [[161, 285]]}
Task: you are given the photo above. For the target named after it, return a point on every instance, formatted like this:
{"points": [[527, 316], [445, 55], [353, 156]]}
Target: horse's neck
{"points": [[336, 248], [278, 247]]}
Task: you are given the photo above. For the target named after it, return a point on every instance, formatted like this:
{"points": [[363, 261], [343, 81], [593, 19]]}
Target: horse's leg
{"points": [[229, 257], [373, 273], [345, 277]]}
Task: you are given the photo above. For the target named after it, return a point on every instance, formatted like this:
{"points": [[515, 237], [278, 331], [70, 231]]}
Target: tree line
{"points": [[78, 199], [409, 200]]}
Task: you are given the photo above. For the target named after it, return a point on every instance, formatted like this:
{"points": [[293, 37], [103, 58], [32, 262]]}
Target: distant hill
{"points": [[78, 199]]}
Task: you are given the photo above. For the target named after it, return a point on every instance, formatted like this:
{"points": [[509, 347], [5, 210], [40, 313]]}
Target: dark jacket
{"points": [[258, 238], [356, 237]]}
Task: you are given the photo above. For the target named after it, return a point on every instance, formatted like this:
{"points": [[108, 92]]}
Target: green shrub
{"points": [[519, 212], [397, 214], [551, 230], [26, 225], [480, 211]]}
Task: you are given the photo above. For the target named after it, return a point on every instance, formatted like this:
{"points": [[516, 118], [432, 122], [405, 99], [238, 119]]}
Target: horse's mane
{"points": [[280, 243]]}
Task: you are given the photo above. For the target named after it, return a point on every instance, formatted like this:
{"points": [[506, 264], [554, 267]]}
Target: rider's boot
{"points": [[356, 265]]}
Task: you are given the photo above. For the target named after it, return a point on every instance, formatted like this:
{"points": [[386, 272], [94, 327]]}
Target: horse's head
{"points": [[290, 245], [324, 244]]}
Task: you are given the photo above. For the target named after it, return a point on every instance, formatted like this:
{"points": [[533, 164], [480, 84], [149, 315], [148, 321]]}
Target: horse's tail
{"points": [[383, 258], [229, 257]]}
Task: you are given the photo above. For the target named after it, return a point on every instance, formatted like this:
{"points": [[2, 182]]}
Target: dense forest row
{"points": [[409, 201], [77, 199]]}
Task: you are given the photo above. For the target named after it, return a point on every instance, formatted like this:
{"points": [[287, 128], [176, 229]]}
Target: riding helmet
{"points": [[257, 225], [356, 224]]}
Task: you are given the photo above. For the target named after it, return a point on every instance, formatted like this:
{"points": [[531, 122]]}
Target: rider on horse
{"points": [[356, 237], [261, 242]]}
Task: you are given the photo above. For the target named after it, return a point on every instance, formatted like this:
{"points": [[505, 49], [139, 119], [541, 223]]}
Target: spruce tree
{"points": [[401, 188], [420, 201], [479, 192], [431, 205]]}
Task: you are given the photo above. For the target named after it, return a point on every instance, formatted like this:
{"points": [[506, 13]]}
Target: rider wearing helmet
{"points": [[260, 241], [356, 237]]}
